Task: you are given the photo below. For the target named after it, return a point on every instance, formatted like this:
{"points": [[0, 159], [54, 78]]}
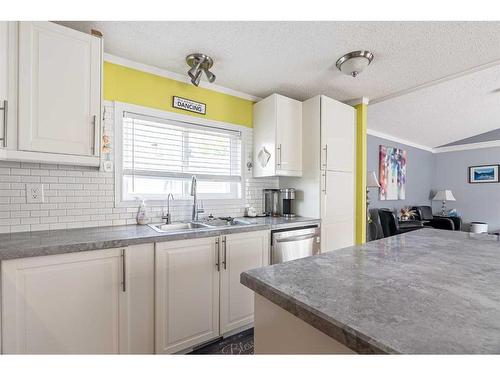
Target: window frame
{"points": [[120, 108]]}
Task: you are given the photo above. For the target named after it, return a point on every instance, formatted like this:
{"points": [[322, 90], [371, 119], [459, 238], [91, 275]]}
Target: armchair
{"points": [[391, 226], [389, 222], [424, 213]]}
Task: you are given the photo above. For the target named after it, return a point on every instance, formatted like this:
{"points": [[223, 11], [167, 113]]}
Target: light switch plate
{"points": [[34, 193]]}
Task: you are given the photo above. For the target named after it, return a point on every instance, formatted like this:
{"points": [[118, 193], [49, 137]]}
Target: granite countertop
{"points": [[428, 292], [30, 244]]}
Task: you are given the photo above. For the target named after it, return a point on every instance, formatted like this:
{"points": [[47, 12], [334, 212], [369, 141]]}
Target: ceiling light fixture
{"points": [[199, 63], [353, 63]]}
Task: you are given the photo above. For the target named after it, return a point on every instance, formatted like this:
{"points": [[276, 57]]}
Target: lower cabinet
{"points": [[187, 293], [198, 292], [143, 299], [241, 252], [79, 303]]}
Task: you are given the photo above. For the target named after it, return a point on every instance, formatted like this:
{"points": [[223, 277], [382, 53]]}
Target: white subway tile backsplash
{"points": [[19, 172], [79, 196], [20, 228]]}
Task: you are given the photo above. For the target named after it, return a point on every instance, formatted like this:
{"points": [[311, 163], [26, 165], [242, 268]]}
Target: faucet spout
{"points": [[166, 216], [194, 215]]}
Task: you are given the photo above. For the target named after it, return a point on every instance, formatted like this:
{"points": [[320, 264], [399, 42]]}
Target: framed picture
{"points": [[392, 173], [483, 174]]}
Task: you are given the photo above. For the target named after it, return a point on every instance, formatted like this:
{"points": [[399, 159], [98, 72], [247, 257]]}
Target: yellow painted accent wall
{"points": [[361, 155], [133, 86]]}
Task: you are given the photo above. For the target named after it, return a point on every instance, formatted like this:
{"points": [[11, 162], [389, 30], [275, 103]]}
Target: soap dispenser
{"points": [[142, 216]]}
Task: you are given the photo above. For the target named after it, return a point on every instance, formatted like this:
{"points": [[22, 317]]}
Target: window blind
{"points": [[157, 147]]}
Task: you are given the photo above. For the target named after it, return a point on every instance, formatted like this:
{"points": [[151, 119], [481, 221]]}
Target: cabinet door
{"points": [[187, 293], [59, 89], [288, 137], [8, 83], [240, 252], [264, 137], [337, 210], [338, 125], [4, 76], [64, 304]]}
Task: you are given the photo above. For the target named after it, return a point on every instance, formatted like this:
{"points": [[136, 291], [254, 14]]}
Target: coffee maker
{"points": [[287, 198]]}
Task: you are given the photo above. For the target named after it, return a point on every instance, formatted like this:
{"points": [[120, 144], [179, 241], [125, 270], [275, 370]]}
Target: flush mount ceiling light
{"points": [[199, 63], [353, 63]]}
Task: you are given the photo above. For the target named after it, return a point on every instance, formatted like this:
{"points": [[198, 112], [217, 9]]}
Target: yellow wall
{"points": [[133, 86], [361, 155]]}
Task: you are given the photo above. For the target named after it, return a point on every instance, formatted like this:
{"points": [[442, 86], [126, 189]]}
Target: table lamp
{"points": [[443, 196]]}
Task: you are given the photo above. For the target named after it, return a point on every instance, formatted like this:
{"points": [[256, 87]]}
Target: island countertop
{"points": [[424, 292]]}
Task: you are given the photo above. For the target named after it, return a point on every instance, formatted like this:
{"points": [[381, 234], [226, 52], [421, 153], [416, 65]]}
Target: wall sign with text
{"points": [[189, 105]]}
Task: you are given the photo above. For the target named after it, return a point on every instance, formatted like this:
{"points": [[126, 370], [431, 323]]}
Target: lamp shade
{"points": [[444, 195], [371, 180]]}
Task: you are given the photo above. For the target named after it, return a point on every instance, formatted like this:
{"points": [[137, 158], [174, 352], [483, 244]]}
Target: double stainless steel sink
{"points": [[215, 223]]}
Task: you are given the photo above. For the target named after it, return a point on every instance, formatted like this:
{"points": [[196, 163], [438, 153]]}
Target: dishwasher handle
{"points": [[297, 238]]}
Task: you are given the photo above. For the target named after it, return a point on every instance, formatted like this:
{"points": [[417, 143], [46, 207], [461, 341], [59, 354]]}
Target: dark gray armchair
{"points": [[424, 213]]}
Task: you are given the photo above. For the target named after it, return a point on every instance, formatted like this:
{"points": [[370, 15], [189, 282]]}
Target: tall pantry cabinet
{"points": [[327, 185]]}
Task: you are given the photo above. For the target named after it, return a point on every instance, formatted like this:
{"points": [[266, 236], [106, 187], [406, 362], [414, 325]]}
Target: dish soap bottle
{"points": [[142, 216]]}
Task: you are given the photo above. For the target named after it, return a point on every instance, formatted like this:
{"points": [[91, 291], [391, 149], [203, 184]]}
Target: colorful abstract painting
{"points": [[392, 173]]}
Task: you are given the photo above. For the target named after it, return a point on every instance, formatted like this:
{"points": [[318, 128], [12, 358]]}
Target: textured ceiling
{"points": [[443, 113], [297, 59]]}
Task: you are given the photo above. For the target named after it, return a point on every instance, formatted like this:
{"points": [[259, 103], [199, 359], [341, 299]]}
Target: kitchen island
{"points": [[425, 292]]}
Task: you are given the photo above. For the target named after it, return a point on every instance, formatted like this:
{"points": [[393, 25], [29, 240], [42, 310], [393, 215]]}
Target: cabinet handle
{"points": [[279, 152], [325, 164], [324, 185], [5, 118], [224, 249], [94, 122], [217, 264], [124, 278]]}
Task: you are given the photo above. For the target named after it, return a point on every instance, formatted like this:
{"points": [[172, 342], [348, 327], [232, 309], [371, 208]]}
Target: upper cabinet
{"points": [[277, 122], [8, 83], [337, 135], [58, 73]]}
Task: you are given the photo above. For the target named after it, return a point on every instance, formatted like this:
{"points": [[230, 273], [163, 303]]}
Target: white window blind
{"points": [[160, 156]]}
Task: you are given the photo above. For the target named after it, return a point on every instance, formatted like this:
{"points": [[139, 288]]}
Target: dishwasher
{"points": [[295, 243]]}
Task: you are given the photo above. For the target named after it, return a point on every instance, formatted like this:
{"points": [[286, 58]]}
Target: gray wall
{"points": [[419, 174], [474, 202]]}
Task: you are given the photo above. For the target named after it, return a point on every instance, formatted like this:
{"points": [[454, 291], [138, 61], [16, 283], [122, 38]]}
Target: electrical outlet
{"points": [[34, 193]]}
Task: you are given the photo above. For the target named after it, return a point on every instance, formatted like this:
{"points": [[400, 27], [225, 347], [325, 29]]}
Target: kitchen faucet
{"points": [[167, 217], [194, 193]]}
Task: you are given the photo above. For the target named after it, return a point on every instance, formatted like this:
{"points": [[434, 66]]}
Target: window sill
{"points": [[181, 202]]}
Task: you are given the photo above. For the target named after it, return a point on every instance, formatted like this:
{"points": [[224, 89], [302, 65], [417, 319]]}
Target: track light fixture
{"points": [[199, 63]]}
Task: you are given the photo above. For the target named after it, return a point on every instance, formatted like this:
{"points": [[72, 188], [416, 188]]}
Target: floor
{"points": [[241, 343]]}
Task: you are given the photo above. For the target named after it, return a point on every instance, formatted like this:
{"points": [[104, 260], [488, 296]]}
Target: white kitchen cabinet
{"points": [[51, 80], [337, 135], [337, 210], [138, 330], [8, 85], [93, 302], [199, 296], [277, 127], [327, 185], [59, 89], [61, 304], [187, 293], [240, 252]]}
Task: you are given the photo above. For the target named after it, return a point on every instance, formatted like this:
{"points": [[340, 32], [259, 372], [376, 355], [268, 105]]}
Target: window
{"points": [[159, 156]]}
